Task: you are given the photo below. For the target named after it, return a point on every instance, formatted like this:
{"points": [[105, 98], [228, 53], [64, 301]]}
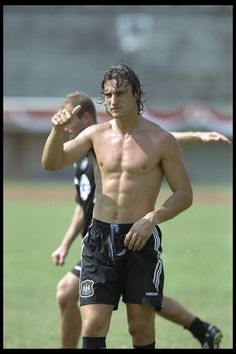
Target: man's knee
{"points": [[65, 294], [95, 324], [141, 333]]}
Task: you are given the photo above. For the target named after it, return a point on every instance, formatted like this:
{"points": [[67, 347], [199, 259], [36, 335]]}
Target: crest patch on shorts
{"points": [[86, 288]]}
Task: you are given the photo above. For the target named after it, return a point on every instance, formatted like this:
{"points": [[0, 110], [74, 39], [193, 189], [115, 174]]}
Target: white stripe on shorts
{"points": [[159, 266]]}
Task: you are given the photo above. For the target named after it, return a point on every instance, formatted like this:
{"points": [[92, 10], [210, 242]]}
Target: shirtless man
{"points": [[132, 157], [67, 293]]}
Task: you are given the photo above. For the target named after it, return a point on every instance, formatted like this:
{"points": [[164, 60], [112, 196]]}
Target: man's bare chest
{"points": [[127, 155]]}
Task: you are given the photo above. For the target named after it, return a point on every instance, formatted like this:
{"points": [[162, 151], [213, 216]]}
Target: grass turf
{"points": [[197, 255]]}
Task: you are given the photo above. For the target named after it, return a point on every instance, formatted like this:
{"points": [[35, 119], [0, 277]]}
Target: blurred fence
{"points": [[27, 125]]}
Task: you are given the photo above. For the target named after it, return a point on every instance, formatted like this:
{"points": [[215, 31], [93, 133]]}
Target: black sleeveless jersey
{"points": [[85, 188]]}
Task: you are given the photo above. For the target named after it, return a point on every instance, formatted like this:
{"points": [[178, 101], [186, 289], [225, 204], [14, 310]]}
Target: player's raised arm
{"points": [[56, 153]]}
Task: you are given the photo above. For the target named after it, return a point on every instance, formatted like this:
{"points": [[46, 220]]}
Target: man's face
{"points": [[120, 100]]}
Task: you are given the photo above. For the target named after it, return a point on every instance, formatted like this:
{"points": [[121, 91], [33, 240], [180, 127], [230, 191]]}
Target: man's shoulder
{"points": [[157, 129], [100, 126]]}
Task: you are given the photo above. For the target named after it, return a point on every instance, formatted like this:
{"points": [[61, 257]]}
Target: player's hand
{"points": [[138, 235], [63, 117], [58, 256], [207, 137]]}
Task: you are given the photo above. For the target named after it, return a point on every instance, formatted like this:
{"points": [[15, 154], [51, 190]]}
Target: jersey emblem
{"points": [[76, 182], [84, 164], [86, 288], [84, 187]]}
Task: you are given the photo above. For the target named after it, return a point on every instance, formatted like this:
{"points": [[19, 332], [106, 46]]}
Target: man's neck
{"points": [[126, 125]]}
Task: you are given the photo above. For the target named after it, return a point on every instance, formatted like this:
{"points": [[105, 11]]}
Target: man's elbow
{"points": [[47, 166], [189, 198]]}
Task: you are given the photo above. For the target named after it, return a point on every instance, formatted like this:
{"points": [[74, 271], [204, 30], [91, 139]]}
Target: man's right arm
{"points": [[53, 150], [75, 228], [57, 154]]}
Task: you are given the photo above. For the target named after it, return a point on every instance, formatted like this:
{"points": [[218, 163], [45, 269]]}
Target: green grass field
{"points": [[197, 255]]}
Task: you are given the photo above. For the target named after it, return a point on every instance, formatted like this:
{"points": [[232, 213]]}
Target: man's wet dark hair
{"points": [[122, 72]]}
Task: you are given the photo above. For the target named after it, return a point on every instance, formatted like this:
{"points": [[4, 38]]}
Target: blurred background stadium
{"points": [[182, 54]]}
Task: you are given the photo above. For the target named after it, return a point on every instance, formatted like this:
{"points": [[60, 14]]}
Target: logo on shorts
{"points": [[86, 288]]}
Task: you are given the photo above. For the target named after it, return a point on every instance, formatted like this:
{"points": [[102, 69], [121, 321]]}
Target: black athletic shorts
{"points": [[109, 270], [76, 269]]}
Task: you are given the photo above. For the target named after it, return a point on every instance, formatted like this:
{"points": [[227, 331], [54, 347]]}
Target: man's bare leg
{"points": [[173, 311], [96, 325], [208, 335], [141, 321], [67, 297]]}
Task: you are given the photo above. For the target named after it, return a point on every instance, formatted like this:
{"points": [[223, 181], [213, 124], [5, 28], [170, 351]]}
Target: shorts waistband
{"points": [[109, 226]]}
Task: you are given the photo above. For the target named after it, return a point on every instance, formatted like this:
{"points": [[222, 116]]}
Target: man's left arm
{"points": [[177, 177], [186, 138], [181, 198]]}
